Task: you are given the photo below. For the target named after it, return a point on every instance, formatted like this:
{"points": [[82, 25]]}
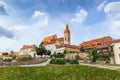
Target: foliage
{"points": [[57, 61], [74, 61], [92, 53], [7, 60], [5, 53], [68, 72], [104, 57], [13, 57], [65, 52], [58, 55], [82, 49], [25, 58], [41, 50], [77, 57], [48, 52], [111, 53]]}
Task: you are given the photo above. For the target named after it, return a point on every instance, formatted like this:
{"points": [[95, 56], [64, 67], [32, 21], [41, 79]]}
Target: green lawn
{"points": [[68, 72]]}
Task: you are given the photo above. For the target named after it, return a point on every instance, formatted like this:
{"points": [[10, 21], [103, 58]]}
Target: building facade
{"points": [[101, 44], [116, 50], [28, 50]]}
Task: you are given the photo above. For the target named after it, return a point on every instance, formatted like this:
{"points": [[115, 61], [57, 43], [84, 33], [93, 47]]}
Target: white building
{"points": [[116, 50]]}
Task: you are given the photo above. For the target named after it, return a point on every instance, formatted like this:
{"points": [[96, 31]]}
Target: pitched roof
{"points": [[27, 46], [49, 38], [97, 43], [67, 29], [60, 39], [116, 41]]}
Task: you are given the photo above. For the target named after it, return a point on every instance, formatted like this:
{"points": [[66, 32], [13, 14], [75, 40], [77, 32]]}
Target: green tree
{"points": [[65, 52], [41, 50], [5, 54], [82, 49], [48, 52], [92, 53]]}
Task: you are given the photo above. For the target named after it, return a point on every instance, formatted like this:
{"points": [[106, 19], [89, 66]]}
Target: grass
{"points": [[55, 72]]}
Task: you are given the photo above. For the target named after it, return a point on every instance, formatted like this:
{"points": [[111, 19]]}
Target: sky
{"points": [[27, 22]]}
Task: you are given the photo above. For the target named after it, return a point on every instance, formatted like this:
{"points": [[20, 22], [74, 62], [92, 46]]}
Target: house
{"points": [[116, 50], [28, 50], [59, 44], [101, 44]]}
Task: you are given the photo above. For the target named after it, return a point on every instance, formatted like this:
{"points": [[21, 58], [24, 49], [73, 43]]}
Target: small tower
{"points": [[67, 35]]}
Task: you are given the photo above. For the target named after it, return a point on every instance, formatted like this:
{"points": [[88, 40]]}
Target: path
{"points": [[41, 64], [112, 67]]}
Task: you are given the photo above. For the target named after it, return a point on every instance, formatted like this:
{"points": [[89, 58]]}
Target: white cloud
{"points": [[80, 16], [112, 7], [41, 18], [101, 6], [39, 14], [3, 4]]}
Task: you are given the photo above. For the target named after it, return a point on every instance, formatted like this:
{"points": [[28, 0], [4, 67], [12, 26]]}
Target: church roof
{"points": [[49, 38], [67, 29]]}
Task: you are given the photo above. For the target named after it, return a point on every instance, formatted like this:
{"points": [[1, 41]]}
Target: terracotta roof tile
{"points": [[97, 43]]}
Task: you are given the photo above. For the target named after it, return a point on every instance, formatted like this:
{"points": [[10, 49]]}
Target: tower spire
{"points": [[67, 35], [67, 29]]}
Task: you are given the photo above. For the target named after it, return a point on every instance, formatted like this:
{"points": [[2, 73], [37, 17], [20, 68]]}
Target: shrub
{"points": [[58, 55], [7, 60], [74, 61], [25, 58], [57, 61]]}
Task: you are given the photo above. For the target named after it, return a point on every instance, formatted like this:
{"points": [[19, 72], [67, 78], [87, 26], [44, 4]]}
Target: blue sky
{"points": [[29, 21]]}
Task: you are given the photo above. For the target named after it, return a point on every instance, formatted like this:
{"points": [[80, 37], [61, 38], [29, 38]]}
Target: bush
{"points": [[7, 60], [74, 61], [57, 61], [58, 55], [25, 58]]}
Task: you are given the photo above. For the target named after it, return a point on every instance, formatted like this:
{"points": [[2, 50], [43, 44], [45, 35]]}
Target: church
{"points": [[60, 44]]}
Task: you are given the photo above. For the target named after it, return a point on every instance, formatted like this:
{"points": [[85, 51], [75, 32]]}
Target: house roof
{"points": [[27, 46], [60, 39], [49, 38], [116, 41], [97, 43]]}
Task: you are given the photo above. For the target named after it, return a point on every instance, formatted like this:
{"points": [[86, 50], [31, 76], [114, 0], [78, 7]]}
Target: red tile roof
{"points": [[116, 41], [60, 39], [49, 38], [27, 46], [97, 43]]}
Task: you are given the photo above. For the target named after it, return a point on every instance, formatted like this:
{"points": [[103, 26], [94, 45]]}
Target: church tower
{"points": [[67, 35]]}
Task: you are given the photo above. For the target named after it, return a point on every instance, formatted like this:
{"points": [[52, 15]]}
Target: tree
{"points": [[41, 50], [65, 52], [93, 54], [48, 52], [5, 53], [82, 49]]}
